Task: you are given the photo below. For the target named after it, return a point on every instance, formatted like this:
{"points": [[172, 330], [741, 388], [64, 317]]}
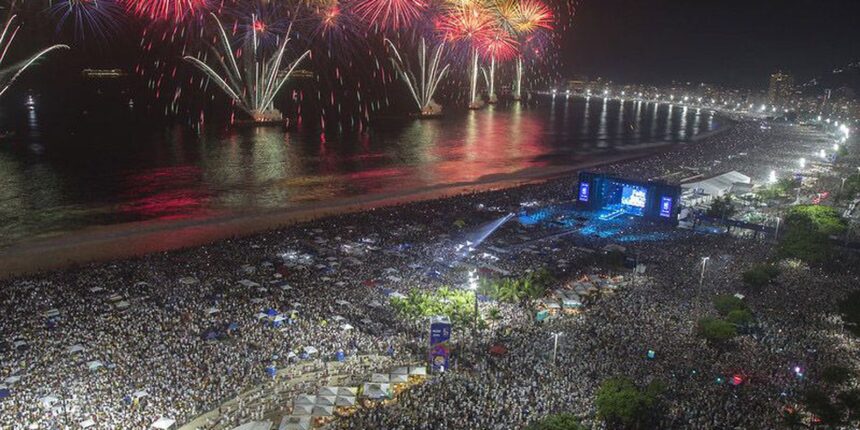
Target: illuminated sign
{"points": [[666, 207], [583, 191], [633, 196]]}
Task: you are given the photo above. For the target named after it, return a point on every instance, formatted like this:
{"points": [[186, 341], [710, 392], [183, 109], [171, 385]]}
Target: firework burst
{"points": [[101, 18], [390, 14], [166, 10]]}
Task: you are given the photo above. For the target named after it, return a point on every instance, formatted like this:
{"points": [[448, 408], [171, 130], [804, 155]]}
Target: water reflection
{"points": [[106, 175]]}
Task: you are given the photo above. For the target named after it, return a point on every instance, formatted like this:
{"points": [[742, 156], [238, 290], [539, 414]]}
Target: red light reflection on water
{"points": [[167, 193]]}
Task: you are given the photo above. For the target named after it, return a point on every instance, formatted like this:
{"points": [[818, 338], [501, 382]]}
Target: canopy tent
{"points": [[52, 313], [379, 378], [376, 391], [94, 365], [163, 423], [346, 327], [139, 394], [323, 411], [325, 400], [295, 423], [341, 302], [255, 425], [248, 283], [418, 371], [328, 391], [309, 350], [212, 310], [396, 295], [399, 379], [305, 399], [402, 370], [12, 379], [75, 349], [87, 423], [345, 401], [48, 401], [347, 391], [303, 410]]}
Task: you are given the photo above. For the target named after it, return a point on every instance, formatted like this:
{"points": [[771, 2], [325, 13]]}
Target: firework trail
{"points": [[390, 14], [467, 25], [430, 75], [102, 18], [10, 74], [165, 10], [255, 85]]}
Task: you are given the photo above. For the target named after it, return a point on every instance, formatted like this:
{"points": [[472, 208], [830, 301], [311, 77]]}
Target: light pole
{"points": [[555, 336], [842, 186], [473, 285], [776, 234], [702, 276]]}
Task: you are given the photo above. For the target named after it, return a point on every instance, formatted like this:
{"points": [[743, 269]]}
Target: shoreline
{"points": [[101, 244], [129, 240]]}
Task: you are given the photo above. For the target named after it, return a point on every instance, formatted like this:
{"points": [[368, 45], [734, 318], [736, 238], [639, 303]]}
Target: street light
{"points": [[702, 277], [802, 162], [473, 285], [555, 336], [772, 178]]}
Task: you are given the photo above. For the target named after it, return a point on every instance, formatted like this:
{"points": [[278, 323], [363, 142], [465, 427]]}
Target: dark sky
{"points": [[734, 42]]}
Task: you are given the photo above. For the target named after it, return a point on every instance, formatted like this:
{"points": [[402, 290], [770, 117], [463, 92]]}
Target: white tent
{"points": [[163, 423], [323, 411], [328, 391], [295, 423], [399, 379], [342, 302], [718, 185], [305, 399], [347, 391], [75, 349], [248, 283], [344, 401], [402, 370], [51, 313], [48, 401], [396, 295], [418, 371], [94, 365], [212, 310], [379, 378], [255, 425], [139, 394], [325, 400], [376, 391], [303, 410], [346, 327], [87, 423], [338, 318], [309, 350], [12, 379]]}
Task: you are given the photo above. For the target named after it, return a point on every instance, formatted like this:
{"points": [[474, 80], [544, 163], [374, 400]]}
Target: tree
{"points": [[622, 404], [722, 207], [726, 303], [557, 422], [819, 404], [716, 330], [760, 275], [808, 231], [740, 317], [836, 375], [850, 400]]}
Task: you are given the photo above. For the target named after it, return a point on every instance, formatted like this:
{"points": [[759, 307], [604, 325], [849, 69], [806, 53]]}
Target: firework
{"points": [[98, 17], [430, 74], [255, 85], [8, 75], [165, 10], [532, 16], [390, 14], [467, 26], [498, 45]]}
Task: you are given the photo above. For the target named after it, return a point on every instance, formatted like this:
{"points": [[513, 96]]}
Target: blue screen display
{"points": [[633, 196], [583, 191], [666, 207]]}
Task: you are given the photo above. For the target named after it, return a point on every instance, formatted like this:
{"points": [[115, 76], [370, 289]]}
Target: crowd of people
{"points": [[176, 334]]}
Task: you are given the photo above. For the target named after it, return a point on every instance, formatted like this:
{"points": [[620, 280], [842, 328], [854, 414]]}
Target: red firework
{"points": [[164, 10], [469, 23], [498, 44], [390, 14]]}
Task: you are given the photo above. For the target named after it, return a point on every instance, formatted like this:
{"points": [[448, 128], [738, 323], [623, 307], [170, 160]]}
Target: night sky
{"points": [[733, 42]]}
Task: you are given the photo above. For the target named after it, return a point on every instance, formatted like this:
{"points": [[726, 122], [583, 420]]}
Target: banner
{"points": [[440, 335]]}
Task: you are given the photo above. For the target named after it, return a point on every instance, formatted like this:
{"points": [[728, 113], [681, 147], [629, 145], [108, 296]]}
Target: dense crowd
{"points": [[176, 334]]}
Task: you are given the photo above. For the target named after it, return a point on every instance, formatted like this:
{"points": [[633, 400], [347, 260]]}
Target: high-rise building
{"points": [[781, 88]]}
